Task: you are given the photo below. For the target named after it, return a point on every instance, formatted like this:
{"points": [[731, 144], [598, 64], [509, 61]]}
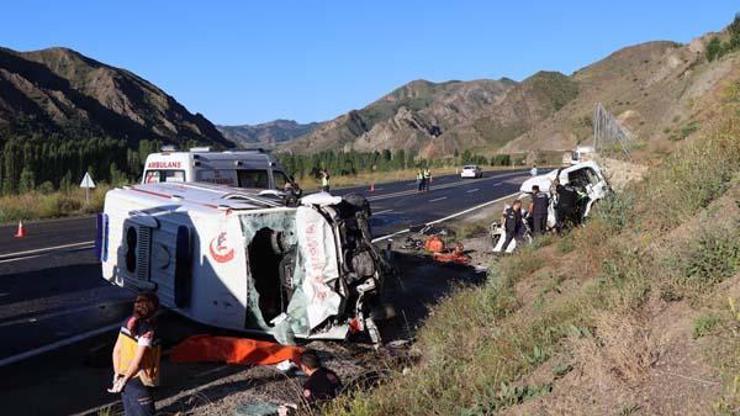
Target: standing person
{"points": [[427, 178], [136, 358], [512, 220], [567, 212], [533, 171], [420, 180], [538, 210], [324, 180]]}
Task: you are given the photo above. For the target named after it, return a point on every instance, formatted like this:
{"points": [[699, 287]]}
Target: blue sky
{"points": [[247, 61]]}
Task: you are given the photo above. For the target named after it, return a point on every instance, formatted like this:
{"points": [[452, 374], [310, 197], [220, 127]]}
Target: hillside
{"points": [[61, 91], [420, 116], [266, 135], [660, 91], [632, 314]]}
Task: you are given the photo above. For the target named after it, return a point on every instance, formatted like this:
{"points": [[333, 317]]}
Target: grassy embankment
{"points": [[36, 205], [585, 303]]}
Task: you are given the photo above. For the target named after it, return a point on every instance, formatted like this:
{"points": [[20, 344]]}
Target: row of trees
{"points": [[54, 162], [352, 163], [48, 163]]}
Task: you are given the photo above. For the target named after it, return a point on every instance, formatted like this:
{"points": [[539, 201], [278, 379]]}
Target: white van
{"points": [[253, 169], [585, 176], [233, 259]]}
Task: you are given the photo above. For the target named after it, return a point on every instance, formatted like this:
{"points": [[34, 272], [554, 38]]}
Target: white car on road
{"points": [[471, 171]]}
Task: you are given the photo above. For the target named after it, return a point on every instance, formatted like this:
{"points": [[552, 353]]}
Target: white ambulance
{"points": [[231, 258], [253, 169]]}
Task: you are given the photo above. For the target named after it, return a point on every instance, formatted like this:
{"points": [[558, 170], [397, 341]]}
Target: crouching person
{"points": [[322, 384], [136, 358]]}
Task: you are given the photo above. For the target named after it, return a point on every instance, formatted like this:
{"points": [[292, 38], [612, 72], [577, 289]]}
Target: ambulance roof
{"points": [[199, 196], [207, 156]]}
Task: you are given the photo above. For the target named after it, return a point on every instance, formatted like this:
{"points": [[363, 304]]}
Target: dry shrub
{"points": [[622, 347]]}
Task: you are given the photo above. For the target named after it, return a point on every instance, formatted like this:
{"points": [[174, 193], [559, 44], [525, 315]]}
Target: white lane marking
{"points": [[43, 316], [496, 184], [438, 199], [56, 345], [443, 186], [449, 217], [44, 249], [472, 190], [20, 258], [385, 211], [14, 259]]}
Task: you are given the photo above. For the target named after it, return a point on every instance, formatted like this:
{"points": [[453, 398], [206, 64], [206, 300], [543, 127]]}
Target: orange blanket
{"points": [[233, 350]]}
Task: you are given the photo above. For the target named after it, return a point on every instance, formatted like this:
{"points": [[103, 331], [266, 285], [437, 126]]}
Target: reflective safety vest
{"points": [[130, 340]]}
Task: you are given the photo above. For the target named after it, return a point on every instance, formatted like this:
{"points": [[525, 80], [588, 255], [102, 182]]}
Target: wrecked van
{"points": [[234, 259], [587, 177]]}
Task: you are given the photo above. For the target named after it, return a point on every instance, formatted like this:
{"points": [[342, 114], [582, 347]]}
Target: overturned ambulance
{"points": [[236, 259]]}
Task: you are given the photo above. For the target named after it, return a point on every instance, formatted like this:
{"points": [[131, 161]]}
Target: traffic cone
{"points": [[372, 187], [21, 232]]}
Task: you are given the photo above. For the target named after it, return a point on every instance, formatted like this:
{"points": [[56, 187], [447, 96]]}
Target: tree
{"points": [[27, 181], [714, 48]]}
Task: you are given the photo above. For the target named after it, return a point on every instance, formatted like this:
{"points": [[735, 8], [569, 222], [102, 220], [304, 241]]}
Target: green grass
{"points": [[480, 343], [705, 325], [36, 205]]}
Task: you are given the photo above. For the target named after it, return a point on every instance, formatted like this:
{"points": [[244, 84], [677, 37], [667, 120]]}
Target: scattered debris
{"points": [[434, 244], [456, 255]]}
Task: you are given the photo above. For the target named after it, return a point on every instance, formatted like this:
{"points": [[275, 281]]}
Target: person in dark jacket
{"points": [[538, 210], [322, 384], [567, 210], [512, 221]]}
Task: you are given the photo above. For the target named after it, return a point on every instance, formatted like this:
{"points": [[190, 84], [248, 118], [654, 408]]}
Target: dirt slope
{"points": [[58, 90]]}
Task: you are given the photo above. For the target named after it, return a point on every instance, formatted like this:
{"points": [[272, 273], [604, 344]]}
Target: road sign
{"points": [[87, 183]]}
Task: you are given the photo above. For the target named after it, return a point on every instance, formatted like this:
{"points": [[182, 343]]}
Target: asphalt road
{"points": [[51, 293]]}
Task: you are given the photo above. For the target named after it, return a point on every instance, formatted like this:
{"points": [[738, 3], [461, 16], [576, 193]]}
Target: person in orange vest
{"points": [[136, 358]]}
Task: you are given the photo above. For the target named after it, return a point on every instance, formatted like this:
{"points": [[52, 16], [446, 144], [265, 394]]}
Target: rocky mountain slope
{"points": [[60, 91], [437, 119], [661, 92], [416, 116], [266, 135]]}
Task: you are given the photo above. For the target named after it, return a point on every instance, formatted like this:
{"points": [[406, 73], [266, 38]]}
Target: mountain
{"points": [[437, 119], [660, 91], [266, 135], [60, 91]]}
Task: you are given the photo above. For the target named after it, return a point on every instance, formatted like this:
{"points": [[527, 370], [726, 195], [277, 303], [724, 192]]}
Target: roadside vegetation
{"points": [[717, 48], [654, 270], [39, 205]]}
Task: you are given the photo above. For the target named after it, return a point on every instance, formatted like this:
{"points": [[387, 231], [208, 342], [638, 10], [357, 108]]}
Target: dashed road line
{"points": [[470, 191], [449, 217], [442, 198], [385, 211]]}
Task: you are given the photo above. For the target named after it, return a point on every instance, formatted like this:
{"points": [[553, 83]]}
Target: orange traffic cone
{"points": [[372, 187], [21, 232]]}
